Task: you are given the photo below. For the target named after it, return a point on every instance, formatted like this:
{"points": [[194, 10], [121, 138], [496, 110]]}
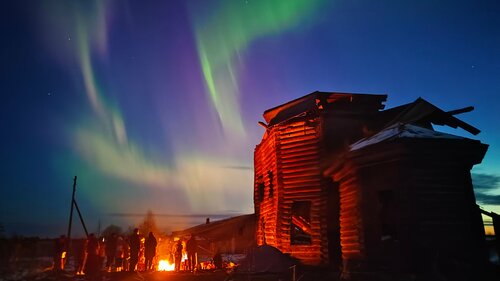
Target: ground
{"points": [[171, 276]]}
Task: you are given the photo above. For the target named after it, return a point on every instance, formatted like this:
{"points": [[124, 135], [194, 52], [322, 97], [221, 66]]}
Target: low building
{"points": [[228, 236]]}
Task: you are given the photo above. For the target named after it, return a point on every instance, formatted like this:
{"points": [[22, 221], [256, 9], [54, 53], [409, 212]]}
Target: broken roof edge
{"points": [[395, 132], [402, 130], [270, 114], [421, 109]]}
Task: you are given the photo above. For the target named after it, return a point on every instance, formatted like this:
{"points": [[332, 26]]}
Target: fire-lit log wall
{"points": [[265, 203], [292, 198], [351, 220], [287, 164]]}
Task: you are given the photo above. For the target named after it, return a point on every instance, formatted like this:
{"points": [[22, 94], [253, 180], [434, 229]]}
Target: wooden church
{"points": [[341, 182]]}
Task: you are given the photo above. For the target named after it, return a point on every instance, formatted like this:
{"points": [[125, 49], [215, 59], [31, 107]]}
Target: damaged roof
{"points": [[423, 113], [420, 112], [322, 100], [412, 120], [400, 130]]}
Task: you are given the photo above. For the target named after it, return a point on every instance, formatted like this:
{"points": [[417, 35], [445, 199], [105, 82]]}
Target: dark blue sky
{"points": [[154, 105]]}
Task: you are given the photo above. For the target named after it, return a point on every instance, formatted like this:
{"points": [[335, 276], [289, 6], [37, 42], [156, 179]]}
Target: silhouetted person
{"points": [[191, 248], [218, 260], [120, 253], [79, 252], [110, 249], [92, 264], [59, 252], [101, 252], [135, 247], [178, 255], [150, 250], [126, 254]]}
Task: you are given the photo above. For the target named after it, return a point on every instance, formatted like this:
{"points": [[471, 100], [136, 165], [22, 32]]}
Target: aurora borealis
{"points": [[222, 39], [154, 104]]}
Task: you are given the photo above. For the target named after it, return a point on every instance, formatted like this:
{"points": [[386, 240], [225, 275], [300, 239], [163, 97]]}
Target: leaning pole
{"points": [[71, 209], [68, 243]]}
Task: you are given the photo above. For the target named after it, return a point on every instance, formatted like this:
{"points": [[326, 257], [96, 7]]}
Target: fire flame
{"points": [[164, 265]]}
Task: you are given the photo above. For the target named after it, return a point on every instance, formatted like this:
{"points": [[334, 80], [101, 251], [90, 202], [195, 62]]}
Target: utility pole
{"points": [[73, 205], [71, 209]]}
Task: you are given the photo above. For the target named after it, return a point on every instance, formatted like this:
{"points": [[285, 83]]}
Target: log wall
{"points": [[351, 220], [301, 140], [433, 207], [265, 205], [292, 151]]}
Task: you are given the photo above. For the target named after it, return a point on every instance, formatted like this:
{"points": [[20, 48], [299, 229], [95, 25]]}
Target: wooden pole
{"points": [[71, 209], [81, 218], [68, 243]]}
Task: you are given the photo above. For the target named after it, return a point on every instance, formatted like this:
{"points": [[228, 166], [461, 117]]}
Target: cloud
{"points": [[484, 186], [485, 182], [488, 199], [239, 167]]}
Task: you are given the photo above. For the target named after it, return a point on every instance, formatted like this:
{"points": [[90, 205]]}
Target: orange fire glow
{"points": [[164, 265], [231, 265]]}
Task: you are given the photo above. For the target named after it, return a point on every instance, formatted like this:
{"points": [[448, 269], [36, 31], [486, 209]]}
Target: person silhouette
{"points": [[191, 248], [150, 250], [178, 255], [135, 247]]}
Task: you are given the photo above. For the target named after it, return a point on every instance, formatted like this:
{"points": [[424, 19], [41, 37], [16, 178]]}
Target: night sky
{"points": [[154, 104]]}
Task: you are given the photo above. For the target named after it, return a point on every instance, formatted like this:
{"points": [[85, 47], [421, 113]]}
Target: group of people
{"points": [[191, 249], [135, 250], [115, 252], [121, 253]]}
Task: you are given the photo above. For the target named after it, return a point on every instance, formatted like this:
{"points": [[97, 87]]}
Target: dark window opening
{"points": [[261, 191], [271, 186], [260, 188], [388, 212], [301, 223], [263, 230]]}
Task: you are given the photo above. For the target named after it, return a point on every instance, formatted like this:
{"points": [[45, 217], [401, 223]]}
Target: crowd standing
{"points": [[121, 253]]}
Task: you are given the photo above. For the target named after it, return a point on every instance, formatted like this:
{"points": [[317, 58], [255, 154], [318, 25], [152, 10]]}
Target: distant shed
{"points": [[228, 236]]}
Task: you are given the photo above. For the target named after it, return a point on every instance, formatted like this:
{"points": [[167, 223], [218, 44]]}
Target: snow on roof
{"points": [[400, 130]]}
